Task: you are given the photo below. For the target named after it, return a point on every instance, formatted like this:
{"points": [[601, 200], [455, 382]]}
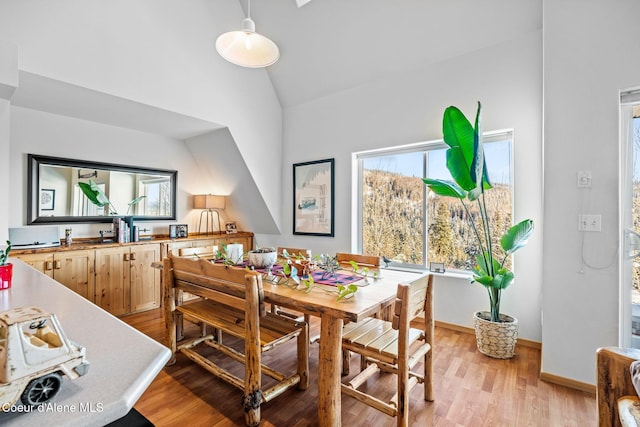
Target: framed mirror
{"points": [[54, 195]]}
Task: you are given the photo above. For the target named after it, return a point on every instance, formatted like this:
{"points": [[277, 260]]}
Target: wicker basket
{"points": [[496, 339]]}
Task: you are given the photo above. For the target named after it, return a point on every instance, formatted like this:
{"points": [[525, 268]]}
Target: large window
{"points": [[399, 219]]}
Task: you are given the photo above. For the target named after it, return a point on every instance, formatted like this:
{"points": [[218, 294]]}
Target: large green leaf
{"points": [[445, 188], [517, 236], [478, 166], [465, 157], [459, 136], [94, 193]]}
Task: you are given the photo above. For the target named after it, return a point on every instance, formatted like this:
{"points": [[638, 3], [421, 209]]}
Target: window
{"points": [[157, 192], [400, 220]]}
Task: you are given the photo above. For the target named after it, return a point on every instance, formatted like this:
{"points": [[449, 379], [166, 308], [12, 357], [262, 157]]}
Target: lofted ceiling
{"points": [[328, 46]]}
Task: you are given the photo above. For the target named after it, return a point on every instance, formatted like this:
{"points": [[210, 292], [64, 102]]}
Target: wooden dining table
{"points": [[372, 297]]}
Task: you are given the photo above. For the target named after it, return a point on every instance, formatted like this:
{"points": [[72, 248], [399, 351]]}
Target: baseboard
{"points": [[577, 385], [525, 343]]}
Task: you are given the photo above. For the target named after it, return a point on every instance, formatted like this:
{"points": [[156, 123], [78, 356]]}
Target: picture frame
{"points": [[313, 198], [436, 267], [177, 231], [231, 228], [47, 199]]}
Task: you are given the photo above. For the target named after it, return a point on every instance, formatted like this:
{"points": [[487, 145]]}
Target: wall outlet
{"points": [[589, 222], [584, 179]]}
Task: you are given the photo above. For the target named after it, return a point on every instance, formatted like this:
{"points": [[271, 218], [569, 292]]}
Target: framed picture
{"points": [[177, 231], [231, 228], [436, 267], [313, 188], [47, 199]]}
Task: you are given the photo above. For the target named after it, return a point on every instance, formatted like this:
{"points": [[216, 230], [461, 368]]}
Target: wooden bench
{"points": [[233, 303]]}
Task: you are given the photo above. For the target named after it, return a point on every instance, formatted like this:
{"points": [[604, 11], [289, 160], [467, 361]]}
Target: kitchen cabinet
{"points": [[125, 281], [74, 269]]}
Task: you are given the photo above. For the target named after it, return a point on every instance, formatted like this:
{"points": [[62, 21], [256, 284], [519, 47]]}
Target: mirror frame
{"points": [[33, 177]]}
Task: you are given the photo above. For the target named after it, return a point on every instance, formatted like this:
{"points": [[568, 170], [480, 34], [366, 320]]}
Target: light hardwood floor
{"points": [[470, 390]]}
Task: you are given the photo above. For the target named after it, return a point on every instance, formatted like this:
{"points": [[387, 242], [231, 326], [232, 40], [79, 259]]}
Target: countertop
{"points": [[123, 361], [84, 244]]}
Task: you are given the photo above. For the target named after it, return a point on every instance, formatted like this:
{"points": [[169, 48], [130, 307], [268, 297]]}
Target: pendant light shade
{"points": [[246, 47]]}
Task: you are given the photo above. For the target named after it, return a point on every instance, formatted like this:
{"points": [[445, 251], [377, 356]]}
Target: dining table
{"points": [[376, 292]]}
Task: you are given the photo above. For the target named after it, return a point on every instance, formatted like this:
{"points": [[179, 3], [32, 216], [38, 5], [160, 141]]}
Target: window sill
{"points": [[452, 274]]}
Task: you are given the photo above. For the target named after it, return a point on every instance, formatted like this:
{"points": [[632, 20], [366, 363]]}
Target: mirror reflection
{"points": [[56, 196]]}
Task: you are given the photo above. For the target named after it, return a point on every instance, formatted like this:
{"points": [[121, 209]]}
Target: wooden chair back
{"points": [[294, 252], [234, 287], [362, 260]]}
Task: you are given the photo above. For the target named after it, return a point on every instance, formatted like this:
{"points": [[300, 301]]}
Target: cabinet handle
{"points": [[133, 256], [48, 265], [126, 257], [57, 265]]}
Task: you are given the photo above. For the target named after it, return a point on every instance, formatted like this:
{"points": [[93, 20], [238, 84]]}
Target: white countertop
{"points": [[123, 360]]}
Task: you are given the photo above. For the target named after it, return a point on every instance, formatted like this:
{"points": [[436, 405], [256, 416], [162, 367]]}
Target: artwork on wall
{"points": [[313, 187], [47, 199]]}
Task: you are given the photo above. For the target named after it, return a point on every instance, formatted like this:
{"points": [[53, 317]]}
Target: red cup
{"points": [[6, 273]]}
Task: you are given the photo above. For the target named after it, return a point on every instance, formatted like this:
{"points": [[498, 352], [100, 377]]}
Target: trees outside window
{"points": [[399, 219]]}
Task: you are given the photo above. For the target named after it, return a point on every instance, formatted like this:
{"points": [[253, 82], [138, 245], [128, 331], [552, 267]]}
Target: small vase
{"points": [[6, 274]]}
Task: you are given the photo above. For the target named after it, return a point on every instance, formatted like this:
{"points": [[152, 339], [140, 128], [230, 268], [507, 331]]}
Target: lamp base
{"points": [[209, 214]]}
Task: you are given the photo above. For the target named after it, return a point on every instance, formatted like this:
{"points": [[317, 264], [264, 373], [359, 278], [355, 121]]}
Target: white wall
{"points": [[591, 53], [8, 84], [407, 107], [160, 53]]}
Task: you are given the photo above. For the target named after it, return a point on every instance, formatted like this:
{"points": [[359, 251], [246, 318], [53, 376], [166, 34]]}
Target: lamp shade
{"points": [[247, 48], [208, 201]]}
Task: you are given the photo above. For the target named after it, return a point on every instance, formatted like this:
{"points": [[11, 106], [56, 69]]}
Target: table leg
{"points": [[329, 369]]}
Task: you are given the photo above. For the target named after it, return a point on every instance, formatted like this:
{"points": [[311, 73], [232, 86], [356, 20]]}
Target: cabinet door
{"points": [[41, 262], [145, 280], [113, 291], [75, 270]]}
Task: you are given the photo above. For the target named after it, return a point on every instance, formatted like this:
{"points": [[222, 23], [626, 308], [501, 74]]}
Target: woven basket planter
{"points": [[496, 339]]}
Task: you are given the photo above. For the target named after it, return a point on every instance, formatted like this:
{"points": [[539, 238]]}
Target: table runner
{"points": [[319, 276]]}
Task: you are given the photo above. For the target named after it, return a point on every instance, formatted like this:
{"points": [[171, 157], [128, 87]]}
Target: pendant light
{"points": [[246, 47]]}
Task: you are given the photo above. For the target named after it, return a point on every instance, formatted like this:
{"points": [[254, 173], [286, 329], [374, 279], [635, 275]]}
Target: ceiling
{"points": [[327, 46]]}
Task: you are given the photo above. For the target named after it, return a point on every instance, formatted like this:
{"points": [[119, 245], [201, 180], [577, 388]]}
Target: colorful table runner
{"points": [[319, 276]]}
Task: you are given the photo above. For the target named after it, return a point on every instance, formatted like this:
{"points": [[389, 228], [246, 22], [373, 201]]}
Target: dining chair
{"points": [[396, 348], [233, 302], [294, 252], [362, 260]]}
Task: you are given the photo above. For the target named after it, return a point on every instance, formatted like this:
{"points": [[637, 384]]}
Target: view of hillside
{"points": [[393, 221]]}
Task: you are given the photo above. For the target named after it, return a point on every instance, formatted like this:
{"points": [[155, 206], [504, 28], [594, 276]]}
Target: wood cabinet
{"points": [[125, 281], [74, 269], [145, 280], [118, 278]]}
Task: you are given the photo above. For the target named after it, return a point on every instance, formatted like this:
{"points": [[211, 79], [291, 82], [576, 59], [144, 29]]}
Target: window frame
{"points": [[424, 146]]}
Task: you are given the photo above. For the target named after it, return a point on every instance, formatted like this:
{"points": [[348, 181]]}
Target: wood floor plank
{"points": [[470, 390]]}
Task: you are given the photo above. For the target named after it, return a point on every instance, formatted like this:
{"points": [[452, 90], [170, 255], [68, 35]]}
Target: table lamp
{"points": [[209, 204]]}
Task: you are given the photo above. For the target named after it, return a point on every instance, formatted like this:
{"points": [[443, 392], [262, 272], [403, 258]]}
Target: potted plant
{"points": [[6, 268], [496, 333], [262, 257]]}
